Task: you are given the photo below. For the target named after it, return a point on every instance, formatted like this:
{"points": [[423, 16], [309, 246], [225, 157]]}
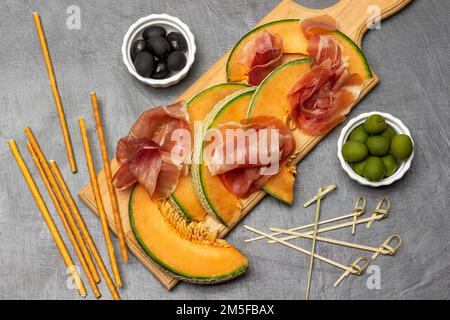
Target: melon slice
{"points": [[295, 42], [188, 251], [213, 195], [184, 198], [270, 99]]}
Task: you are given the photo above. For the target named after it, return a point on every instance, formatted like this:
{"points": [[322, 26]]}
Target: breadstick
{"points": [[43, 161], [48, 219], [54, 86], [99, 202], [84, 229], [67, 226], [108, 174]]}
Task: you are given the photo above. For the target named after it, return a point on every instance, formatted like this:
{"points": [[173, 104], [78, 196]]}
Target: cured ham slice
{"points": [[244, 166], [322, 97], [146, 154], [262, 55], [317, 25]]}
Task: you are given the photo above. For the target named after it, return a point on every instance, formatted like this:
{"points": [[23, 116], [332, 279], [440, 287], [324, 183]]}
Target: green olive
{"points": [[354, 151], [375, 124], [389, 132], [374, 169], [378, 145], [359, 134], [401, 147], [359, 167], [390, 164]]}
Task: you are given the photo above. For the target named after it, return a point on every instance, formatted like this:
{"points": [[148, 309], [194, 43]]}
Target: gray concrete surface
{"points": [[410, 54]]}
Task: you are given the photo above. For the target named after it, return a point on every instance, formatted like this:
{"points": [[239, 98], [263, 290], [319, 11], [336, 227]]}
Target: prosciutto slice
{"points": [[322, 97], [146, 154], [245, 168], [262, 55]]}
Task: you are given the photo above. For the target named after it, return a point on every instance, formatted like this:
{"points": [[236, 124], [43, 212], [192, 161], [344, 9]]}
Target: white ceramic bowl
{"points": [[392, 121], [170, 24]]}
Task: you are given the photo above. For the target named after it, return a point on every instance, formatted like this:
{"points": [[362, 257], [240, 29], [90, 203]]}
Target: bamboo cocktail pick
{"points": [[84, 229], [359, 206], [48, 219], [67, 226], [356, 212], [380, 250], [43, 161], [386, 245], [375, 217], [108, 174], [54, 86], [382, 208], [99, 202], [354, 266], [318, 198], [350, 268]]}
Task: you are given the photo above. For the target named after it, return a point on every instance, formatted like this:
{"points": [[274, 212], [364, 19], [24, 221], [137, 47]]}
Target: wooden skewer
{"points": [[108, 174], [59, 107], [306, 226], [383, 207], [359, 206], [43, 161], [353, 268], [48, 219], [84, 229], [318, 197], [338, 226], [67, 226], [386, 245], [334, 241], [321, 194], [99, 202]]}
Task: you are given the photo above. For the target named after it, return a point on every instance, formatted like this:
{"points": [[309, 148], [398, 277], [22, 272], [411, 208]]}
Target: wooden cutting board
{"points": [[353, 16]]}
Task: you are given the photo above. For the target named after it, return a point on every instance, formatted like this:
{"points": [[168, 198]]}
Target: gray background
{"points": [[410, 54]]}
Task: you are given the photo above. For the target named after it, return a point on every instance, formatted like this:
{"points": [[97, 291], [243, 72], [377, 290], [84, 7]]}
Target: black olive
{"points": [[177, 41], [137, 47], [153, 31], [144, 64], [161, 70], [158, 46], [176, 61]]}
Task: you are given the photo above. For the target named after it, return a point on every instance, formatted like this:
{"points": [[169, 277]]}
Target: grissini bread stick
{"points": [[54, 86], [48, 219], [64, 220], [84, 229], [43, 161], [99, 202], [108, 174]]}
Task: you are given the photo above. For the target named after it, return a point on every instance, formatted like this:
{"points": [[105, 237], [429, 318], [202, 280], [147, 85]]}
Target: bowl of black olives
{"points": [[375, 149], [159, 50]]}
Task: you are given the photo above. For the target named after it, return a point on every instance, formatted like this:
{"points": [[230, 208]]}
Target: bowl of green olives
{"points": [[375, 149], [159, 50]]}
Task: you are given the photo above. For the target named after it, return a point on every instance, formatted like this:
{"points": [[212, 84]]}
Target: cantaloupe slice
{"points": [[270, 99], [294, 42], [188, 251], [184, 197], [213, 195]]}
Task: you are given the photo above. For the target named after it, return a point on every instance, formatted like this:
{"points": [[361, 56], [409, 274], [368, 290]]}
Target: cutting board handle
{"points": [[357, 16]]}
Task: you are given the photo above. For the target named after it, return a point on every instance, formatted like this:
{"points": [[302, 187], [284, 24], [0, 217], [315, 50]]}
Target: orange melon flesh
{"points": [[184, 196], [224, 204], [270, 99], [293, 42], [184, 259]]}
